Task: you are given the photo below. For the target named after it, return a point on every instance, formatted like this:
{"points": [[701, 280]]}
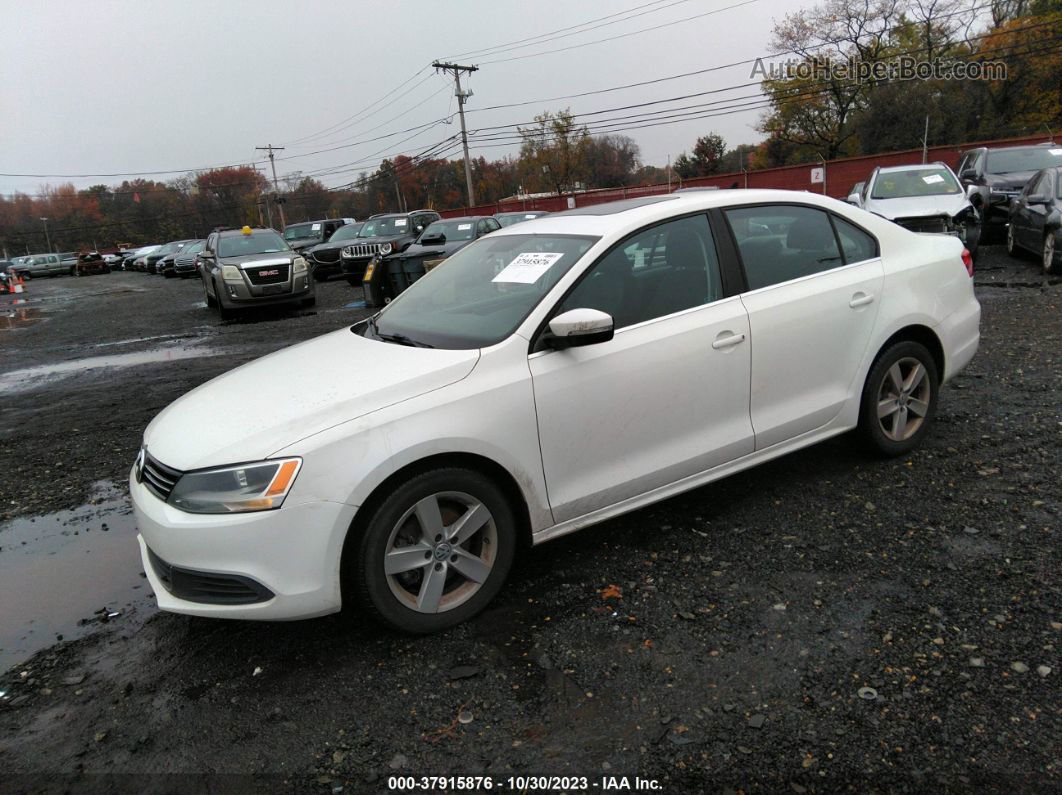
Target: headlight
{"points": [[236, 489], [385, 249], [299, 265], [348, 251], [231, 273]]}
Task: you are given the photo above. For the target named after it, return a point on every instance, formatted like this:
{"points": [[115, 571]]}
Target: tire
{"points": [[1012, 244], [210, 301], [404, 599], [223, 311], [1049, 255], [914, 405]]}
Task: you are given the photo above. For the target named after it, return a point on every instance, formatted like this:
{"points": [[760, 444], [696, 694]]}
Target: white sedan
{"points": [[547, 377]]}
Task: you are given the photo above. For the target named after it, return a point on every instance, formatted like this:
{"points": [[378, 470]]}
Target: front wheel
{"points": [[1050, 255], [435, 551], [899, 399], [1012, 243]]}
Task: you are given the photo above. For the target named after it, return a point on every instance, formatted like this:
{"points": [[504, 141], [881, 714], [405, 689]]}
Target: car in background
{"points": [[151, 261], [307, 234], [388, 275], [854, 194], [90, 263], [324, 257], [993, 177], [1036, 219], [185, 260], [508, 219], [926, 197], [549, 376], [382, 234], [137, 260], [68, 261], [34, 266], [253, 267]]}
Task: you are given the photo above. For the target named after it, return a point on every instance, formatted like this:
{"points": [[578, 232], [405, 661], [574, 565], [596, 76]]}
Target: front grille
{"points": [[361, 250], [268, 274], [206, 587], [326, 257], [937, 224], [159, 478]]}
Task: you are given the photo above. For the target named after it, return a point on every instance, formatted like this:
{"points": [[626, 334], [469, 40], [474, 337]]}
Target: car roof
{"points": [[233, 232], [461, 218], [913, 167]]}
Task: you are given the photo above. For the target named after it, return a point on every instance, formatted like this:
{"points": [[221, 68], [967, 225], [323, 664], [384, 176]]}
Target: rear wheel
{"points": [[1012, 244], [1050, 255], [435, 551], [899, 399]]}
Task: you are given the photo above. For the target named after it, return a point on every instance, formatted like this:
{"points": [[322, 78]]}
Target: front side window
{"points": [[658, 271], [264, 242], [479, 295], [783, 242]]}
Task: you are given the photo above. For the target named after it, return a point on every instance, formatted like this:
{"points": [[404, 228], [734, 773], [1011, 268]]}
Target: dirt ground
{"points": [[824, 622]]}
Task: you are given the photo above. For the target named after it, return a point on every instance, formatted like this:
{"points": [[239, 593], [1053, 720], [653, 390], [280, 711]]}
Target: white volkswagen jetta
{"points": [[549, 376]]}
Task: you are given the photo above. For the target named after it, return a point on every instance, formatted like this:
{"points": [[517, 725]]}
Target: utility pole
{"points": [[276, 187], [925, 141], [462, 96], [47, 237]]}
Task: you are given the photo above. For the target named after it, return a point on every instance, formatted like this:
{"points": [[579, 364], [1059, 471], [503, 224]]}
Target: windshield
{"points": [[478, 296], [296, 231], [451, 230], [345, 232], [1005, 161], [515, 218], [266, 242], [385, 227], [194, 247], [915, 182]]}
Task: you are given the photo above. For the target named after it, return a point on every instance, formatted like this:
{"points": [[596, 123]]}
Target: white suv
{"points": [[546, 377]]}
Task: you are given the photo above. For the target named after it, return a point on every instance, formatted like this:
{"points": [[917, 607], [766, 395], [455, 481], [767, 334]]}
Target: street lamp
{"points": [[47, 238]]}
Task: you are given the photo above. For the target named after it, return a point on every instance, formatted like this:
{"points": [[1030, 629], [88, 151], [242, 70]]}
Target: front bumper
{"points": [[243, 293], [354, 266], [292, 553]]}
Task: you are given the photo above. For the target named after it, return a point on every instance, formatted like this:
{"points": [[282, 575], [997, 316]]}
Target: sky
{"points": [[108, 86]]}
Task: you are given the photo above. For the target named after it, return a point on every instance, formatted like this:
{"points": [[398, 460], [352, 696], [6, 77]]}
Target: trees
{"points": [[554, 152]]}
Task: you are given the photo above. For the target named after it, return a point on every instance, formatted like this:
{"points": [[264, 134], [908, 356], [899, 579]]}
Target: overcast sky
{"points": [[106, 86]]}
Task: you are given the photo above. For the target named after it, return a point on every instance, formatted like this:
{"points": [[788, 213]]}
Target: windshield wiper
{"points": [[397, 339]]}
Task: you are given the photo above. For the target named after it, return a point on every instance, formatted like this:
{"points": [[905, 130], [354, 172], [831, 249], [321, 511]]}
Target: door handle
{"points": [[860, 299], [728, 342]]}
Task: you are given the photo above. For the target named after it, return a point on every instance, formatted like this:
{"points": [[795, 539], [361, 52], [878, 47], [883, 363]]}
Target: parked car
{"points": [[549, 376], [855, 194], [184, 261], [309, 233], [992, 177], [90, 263], [382, 234], [923, 198], [1036, 219], [34, 266], [68, 261], [387, 275], [253, 267], [152, 260], [140, 256], [324, 257], [508, 219]]}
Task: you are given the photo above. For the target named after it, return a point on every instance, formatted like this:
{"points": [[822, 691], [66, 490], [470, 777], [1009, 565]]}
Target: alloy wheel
{"points": [[903, 399], [1049, 253], [1011, 247], [440, 552]]}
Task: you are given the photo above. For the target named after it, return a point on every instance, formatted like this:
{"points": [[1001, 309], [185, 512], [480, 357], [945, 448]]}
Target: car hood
{"points": [[251, 412], [256, 260], [370, 240], [918, 206], [303, 242], [445, 250], [330, 246]]}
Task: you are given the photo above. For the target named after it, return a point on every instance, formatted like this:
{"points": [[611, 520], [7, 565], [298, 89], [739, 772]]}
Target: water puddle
{"points": [[63, 574], [31, 378], [14, 317]]}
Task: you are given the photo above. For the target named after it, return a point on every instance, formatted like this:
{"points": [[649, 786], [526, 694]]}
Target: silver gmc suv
{"points": [[252, 267]]}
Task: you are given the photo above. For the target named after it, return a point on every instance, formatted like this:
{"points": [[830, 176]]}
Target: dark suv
{"points": [[303, 235], [253, 267], [382, 234], [992, 177]]}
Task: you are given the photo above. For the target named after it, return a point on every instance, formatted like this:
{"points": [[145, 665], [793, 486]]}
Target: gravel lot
{"points": [[824, 622]]}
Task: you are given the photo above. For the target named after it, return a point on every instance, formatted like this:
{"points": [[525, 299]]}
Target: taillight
{"points": [[967, 260]]}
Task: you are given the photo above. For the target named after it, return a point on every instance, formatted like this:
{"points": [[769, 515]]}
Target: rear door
{"points": [[812, 299]]}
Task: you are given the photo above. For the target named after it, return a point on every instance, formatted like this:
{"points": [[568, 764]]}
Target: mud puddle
{"points": [[14, 317], [65, 573], [31, 378]]}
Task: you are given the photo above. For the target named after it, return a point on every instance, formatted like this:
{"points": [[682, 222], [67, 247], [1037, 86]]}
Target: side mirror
{"points": [[968, 173], [1036, 198], [434, 239], [853, 198], [578, 327]]}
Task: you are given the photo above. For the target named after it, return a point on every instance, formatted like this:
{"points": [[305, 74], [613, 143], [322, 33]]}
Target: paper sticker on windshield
{"points": [[530, 217], [1056, 152], [527, 268], [400, 222], [932, 178], [315, 227], [463, 227]]}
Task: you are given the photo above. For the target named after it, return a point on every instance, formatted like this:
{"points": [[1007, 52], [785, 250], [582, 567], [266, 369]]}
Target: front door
{"points": [[668, 396], [812, 306]]}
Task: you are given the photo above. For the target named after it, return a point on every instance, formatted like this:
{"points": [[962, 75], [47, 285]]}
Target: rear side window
{"points": [[856, 244], [779, 243]]}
